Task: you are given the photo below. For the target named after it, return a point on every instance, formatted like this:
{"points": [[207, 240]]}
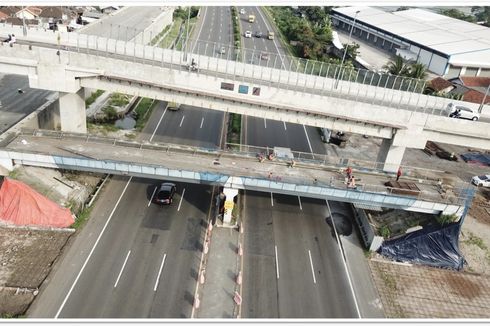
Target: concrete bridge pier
{"points": [[391, 155], [229, 203], [72, 112], [392, 150]]}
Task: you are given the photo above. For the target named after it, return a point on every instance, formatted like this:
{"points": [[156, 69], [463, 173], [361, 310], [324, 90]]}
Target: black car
{"points": [[164, 194], [258, 34]]}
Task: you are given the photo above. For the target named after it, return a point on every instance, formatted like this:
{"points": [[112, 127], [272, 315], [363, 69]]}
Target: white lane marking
{"points": [[274, 40], [343, 260], [159, 273], [152, 135], [122, 268], [272, 201], [277, 264], [312, 270], [202, 121], [285, 125], [152, 195], [91, 251], [183, 117], [181, 197], [255, 47], [265, 123], [299, 200], [200, 29], [308, 139]]}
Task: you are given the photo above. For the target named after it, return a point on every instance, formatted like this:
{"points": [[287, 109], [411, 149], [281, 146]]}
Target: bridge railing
{"points": [[283, 72], [455, 195]]}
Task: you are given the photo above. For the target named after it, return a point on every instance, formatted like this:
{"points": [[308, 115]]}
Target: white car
{"points": [[242, 11], [463, 112], [248, 34], [481, 180]]}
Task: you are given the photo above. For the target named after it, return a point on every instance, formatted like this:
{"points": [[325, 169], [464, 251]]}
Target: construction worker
{"points": [[398, 173]]}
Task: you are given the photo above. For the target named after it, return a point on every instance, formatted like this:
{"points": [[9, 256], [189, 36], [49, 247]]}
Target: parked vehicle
{"points": [[248, 34], [270, 35], [463, 112], [251, 18], [164, 194], [173, 106], [264, 56], [222, 50], [481, 180]]}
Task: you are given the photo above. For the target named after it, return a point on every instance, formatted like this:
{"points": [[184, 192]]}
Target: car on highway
{"points": [[264, 56], [258, 34], [248, 34], [242, 11], [463, 112], [481, 180], [173, 106], [164, 194]]}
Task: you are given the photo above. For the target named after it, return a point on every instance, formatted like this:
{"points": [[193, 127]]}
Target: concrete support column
{"points": [[390, 155], [72, 112], [6, 164], [229, 203]]}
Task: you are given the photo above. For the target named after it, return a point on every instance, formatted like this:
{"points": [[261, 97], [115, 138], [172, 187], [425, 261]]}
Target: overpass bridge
{"points": [[69, 62], [315, 176]]}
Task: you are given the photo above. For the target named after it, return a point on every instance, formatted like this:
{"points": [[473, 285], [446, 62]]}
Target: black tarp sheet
{"points": [[434, 246], [476, 158]]}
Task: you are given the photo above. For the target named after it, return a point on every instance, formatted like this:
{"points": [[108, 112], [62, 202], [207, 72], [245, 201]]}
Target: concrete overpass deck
{"points": [[233, 169]]}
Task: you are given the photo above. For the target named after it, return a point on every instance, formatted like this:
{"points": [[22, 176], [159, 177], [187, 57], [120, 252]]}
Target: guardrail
{"points": [[307, 76], [455, 196]]}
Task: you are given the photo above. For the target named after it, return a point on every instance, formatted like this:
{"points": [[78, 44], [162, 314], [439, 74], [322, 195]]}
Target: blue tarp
{"points": [[475, 157], [434, 246]]}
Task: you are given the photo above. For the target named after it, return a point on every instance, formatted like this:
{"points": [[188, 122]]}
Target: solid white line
{"points": [[299, 200], [265, 123], [181, 197], [277, 264], [200, 29], [202, 121], [91, 251], [152, 196], [158, 124], [308, 139], [272, 201], [159, 272], [312, 269], [343, 261], [183, 117], [285, 125], [122, 268], [274, 40]]}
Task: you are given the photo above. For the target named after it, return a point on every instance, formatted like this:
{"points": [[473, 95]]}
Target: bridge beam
{"points": [[72, 112]]}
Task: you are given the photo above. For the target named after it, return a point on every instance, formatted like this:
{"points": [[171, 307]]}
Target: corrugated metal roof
{"points": [[463, 42]]}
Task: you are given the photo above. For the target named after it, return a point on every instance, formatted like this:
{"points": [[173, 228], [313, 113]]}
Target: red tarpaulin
{"points": [[21, 205]]}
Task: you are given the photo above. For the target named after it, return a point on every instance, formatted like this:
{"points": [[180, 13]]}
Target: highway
{"points": [[292, 265], [146, 262]]}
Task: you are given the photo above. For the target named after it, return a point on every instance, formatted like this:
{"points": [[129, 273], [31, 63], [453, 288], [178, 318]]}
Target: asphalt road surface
{"points": [[125, 24], [15, 106], [292, 265]]}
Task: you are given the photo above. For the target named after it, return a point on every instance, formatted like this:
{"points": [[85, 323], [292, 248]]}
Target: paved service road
{"points": [[15, 106]]}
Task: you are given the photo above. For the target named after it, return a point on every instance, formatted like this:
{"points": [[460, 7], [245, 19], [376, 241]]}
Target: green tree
{"points": [[455, 13], [397, 67], [482, 14], [417, 70]]}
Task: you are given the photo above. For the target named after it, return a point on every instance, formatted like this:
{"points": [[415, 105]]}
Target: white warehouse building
{"points": [[447, 46]]}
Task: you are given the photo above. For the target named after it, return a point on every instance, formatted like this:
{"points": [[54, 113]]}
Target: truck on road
{"points": [[251, 18]]}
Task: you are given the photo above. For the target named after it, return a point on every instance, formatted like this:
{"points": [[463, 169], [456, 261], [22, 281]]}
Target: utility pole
{"points": [[345, 50]]}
